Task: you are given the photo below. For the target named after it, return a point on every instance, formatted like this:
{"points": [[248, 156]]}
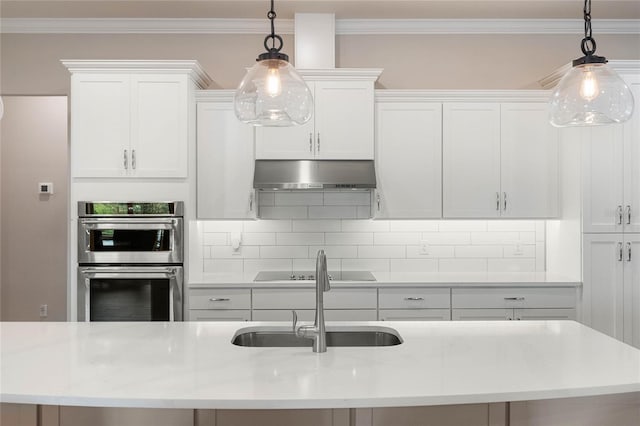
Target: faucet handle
{"points": [[296, 330]]}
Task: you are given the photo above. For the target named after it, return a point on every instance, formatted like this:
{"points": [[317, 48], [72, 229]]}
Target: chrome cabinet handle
{"points": [[125, 160], [504, 194], [251, 201], [498, 201], [413, 299], [318, 142], [219, 299], [619, 252], [378, 201], [628, 215], [619, 210], [310, 142], [628, 252], [514, 299], [133, 159]]}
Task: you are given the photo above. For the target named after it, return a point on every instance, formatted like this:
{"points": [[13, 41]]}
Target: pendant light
{"points": [[591, 93], [273, 93]]}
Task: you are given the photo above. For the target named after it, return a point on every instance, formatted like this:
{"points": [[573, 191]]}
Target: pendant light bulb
{"points": [[272, 93], [591, 93]]}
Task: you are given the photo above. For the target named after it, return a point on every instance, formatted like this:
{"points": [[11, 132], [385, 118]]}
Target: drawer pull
{"points": [[514, 299], [219, 299], [414, 299]]}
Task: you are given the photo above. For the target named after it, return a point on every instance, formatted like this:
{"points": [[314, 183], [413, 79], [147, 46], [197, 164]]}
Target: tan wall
{"points": [[31, 62], [33, 266]]}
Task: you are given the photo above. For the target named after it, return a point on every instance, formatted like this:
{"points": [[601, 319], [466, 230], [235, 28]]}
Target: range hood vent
{"points": [[314, 174]]}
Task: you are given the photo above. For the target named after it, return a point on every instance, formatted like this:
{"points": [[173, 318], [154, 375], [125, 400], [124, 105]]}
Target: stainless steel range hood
{"points": [[314, 174]]}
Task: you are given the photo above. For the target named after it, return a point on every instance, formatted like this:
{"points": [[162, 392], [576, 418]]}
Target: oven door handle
{"points": [[123, 272], [146, 223]]}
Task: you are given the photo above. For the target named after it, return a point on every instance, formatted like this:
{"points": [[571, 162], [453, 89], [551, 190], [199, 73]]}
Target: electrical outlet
{"points": [[518, 251], [44, 311], [424, 247]]}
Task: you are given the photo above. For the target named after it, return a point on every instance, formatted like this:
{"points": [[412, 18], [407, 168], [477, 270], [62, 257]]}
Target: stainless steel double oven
{"points": [[130, 261]]}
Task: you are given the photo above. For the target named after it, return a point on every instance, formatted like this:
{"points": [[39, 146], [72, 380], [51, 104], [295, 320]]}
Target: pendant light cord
{"points": [[273, 37], [588, 44]]}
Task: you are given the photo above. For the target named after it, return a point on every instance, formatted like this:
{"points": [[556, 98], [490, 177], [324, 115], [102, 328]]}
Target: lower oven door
{"points": [[130, 293]]}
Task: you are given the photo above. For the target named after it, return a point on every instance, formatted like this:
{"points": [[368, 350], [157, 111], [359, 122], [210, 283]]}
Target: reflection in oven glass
{"points": [[129, 240], [129, 300]]}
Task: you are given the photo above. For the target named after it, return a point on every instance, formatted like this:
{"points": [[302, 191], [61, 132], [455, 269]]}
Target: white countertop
{"points": [[406, 279], [194, 365]]}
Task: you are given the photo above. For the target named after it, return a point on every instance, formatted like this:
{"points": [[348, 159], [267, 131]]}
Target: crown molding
{"points": [[223, 95], [190, 67], [341, 74], [408, 95], [621, 66], [286, 26]]}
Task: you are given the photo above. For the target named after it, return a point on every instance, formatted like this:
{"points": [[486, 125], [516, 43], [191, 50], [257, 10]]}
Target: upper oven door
{"points": [[130, 240]]}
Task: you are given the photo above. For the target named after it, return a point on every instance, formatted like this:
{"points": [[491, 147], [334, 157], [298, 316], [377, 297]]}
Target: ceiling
{"points": [[345, 9]]}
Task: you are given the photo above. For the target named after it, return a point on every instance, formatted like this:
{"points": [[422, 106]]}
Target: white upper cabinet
{"points": [[499, 160], [132, 118], [408, 160], [342, 126], [225, 160], [611, 173], [471, 160]]}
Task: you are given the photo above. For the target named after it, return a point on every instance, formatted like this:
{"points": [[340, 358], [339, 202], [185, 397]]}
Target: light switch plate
{"points": [[45, 188]]}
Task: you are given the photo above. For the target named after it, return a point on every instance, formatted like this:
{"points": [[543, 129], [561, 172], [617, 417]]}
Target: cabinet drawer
{"points": [[513, 298], [414, 298], [415, 315], [219, 315], [309, 315], [306, 298], [220, 299]]}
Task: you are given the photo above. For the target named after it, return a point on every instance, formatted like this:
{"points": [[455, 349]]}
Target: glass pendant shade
{"points": [[590, 94], [273, 94]]}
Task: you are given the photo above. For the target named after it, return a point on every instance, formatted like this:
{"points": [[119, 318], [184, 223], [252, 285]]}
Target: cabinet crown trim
{"points": [[190, 67], [408, 95], [338, 74]]}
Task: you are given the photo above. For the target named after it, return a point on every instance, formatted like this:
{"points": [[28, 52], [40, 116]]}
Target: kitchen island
{"points": [[193, 365]]}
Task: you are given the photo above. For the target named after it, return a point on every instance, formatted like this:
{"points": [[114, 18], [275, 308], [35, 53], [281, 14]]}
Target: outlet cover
{"points": [[424, 247]]}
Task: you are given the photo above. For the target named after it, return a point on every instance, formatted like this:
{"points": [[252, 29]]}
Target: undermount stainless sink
{"points": [[346, 336]]}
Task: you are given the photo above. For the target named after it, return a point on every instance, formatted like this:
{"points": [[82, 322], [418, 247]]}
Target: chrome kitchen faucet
{"points": [[317, 331]]}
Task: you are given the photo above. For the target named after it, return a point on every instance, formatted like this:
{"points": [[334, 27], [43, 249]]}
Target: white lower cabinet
{"points": [[309, 314], [414, 304], [220, 304], [414, 315], [469, 304], [219, 315]]}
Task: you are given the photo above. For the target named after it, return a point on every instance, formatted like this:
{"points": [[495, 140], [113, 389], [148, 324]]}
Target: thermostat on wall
{"points": [[45, 188]]}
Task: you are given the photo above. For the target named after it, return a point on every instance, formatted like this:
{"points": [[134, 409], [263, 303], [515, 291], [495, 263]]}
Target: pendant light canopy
{"points": [[591, 93], [273, 93]]}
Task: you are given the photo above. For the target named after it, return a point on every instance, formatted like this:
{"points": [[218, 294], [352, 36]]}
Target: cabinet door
{"points": [[415, 315], [471, 160], [603, 295], [100, 113], [631, 131], [602, 179], [482, 314], [544, 314], [344, 120], [225, 163], [159, 126], [409, 160], [218, 315], [287, 143], [632, 290], [529, 161]]}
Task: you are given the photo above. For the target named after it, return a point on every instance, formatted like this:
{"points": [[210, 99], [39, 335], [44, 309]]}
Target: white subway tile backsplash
{"points": [[396, 238], [365, 226], [267, 226], [284, 252], [541, 230], [316, 225], [479, 251], [413, 225], [541, 257], [349, 238], [413, 265], [266, 198], [446, 238], [258, 238], [511, 225], [462, 265], [350, 198], [300, 265], [463, 225], [223, 226], [495, 237], [432, 252], [382, 252], [286, 212], [225, 266], [298, 198], [215, 238], [227, 252], [527, 237], [373, 265], [511, 265], [333, 212], [520, 250], [253, 266], [299, 238], [335, 252]]}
